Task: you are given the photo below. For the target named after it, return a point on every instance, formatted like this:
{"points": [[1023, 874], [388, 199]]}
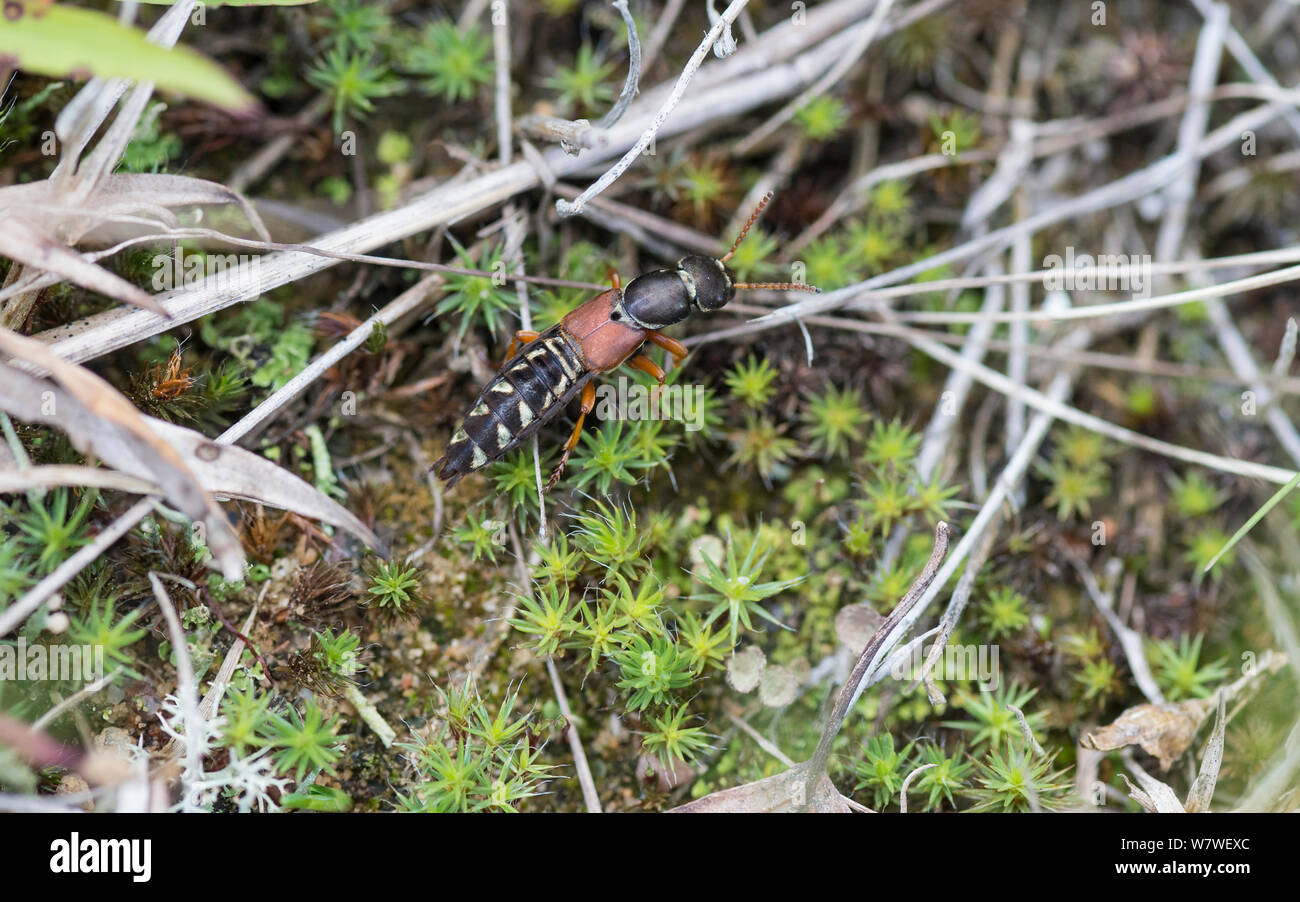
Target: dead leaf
{"points": [[1164, 730], [1202, 791], [1160, 800], [22, 241], [238, 473], [68, 216], [784, 792], [101, 422], [13, 480]]}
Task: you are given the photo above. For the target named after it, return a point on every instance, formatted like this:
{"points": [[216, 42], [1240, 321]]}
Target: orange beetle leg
{"points": [[588, 402], [646, 365], [614, 279], [522, 337], [671, 345]]}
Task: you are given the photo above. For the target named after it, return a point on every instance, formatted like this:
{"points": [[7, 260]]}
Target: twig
{"points": [[660, 33], [1026, 733], [580, 765], [878, 644], [84, 692], [258, 417], [862, 40], [255, 168], [1039, 400], [1006, 483], [759, 739], [583, 770], [633, 81], [960, 596], [1242, 361], [574, 135], [514, 223], [20, 610], [1130, 641], [1122, 190], [186, 684], [907, 782], [565, 208]]}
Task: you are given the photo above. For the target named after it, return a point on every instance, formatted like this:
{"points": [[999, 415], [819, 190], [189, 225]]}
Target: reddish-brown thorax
{"points": [[605, 344]]}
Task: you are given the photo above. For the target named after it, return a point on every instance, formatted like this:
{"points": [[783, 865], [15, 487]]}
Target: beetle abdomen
{"points": [[531, 388]]}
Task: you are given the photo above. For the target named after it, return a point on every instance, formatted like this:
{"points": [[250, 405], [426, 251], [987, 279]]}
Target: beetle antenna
{"points": [[753, 218], [778, 286]]}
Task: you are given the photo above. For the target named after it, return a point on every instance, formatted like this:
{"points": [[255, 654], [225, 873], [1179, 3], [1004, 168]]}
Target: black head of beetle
{"points": [[668, 296]]}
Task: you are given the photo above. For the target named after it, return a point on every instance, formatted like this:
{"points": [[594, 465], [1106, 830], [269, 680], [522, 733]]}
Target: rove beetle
{"points": [[597, 337]]}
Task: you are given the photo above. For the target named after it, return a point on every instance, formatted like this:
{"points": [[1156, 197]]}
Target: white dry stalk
{"points": [[907, 782], [196, 727], [956, 389], [1129, 639], [564, 207], [861, 41], [583, 770], [956, 605], [1006, 483], [117, 329], [1246, 57], [1242, 361], [1191, 132], [1036, 399], [514, 226], [1286, 350], [370, 714], [948, 411], [1120, 191], [16, 613], [585, 779], [406, 302], [1118, 308]]}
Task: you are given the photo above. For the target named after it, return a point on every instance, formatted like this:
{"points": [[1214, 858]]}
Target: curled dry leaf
{"points": [[1164, 730], [100, 421], [238, 473], [22, 241], [745, 667], [1167, 729], [67, 215]]}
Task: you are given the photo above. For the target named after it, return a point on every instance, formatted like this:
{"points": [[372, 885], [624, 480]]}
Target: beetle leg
{"points": [[522, 337], [588, 402], [614, 279], [671, 345], [646, 365]]}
